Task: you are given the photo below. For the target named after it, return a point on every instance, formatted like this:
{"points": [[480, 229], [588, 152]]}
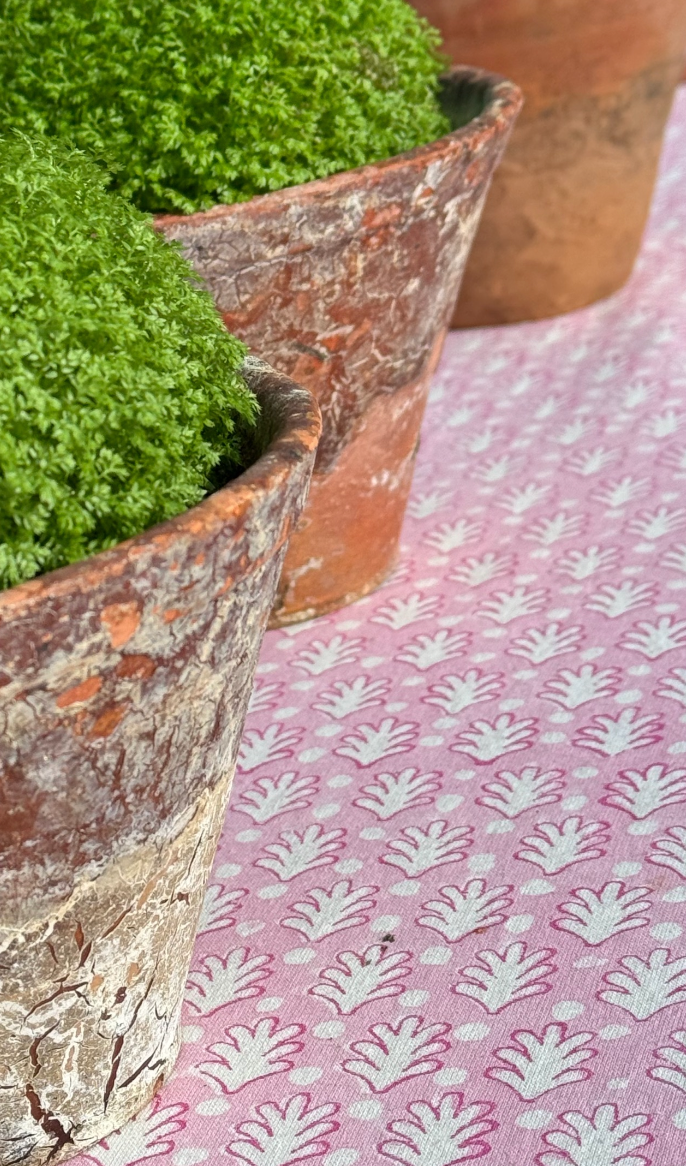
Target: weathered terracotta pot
{"points": [[124, 681], [347, 284], [566, 213]]}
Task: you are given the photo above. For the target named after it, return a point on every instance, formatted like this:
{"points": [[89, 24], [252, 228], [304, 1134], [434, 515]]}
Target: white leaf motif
{"points": [[619, 493], [441, 1134], [500, 979], [580, 565], [652, 525], [299, 851], [218, 981], [391, 793], [554, 848], [485, 741], [505, 606], [321, 657], [540, 644], [359, 979], [535, 1065], [219, 907], [425, 848], [675, 558], [149, 1136], [424, 652], [285, 1134], [400, 613], [673, 686], [449, 536], [456, 693], [571, 689], [369, 743], [602, 1140], [640, 793], [614, 602], [550, 530], [274, 744], [611, 736], [272, 796], [655, 640], [462, 910], [512, 794], [325, 912], [475, 572], [671, 1066], [248, 1054], [670, 851], [595, 916], [397, 1052], [344, 698], [645, 987]]}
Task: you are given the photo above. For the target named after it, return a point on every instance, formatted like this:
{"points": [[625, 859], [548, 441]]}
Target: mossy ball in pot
{"points": [[198, 102], [121, 398]]}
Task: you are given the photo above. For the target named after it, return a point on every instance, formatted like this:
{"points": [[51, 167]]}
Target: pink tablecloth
{"points": [[447, 919]]}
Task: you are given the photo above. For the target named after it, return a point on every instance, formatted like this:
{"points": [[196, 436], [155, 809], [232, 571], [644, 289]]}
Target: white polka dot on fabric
{"points": [[305, 1074], [472, 1032], [534, 1119], [451, 1076], [365, 1110], [665, 931], [435, 955], [329, 1030], [567, 1009], [518, 923]]}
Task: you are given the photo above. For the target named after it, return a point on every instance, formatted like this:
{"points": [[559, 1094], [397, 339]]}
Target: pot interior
{"points": [[463, 97]]}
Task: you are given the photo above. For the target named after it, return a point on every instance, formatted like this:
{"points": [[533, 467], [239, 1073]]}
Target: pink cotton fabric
{"points": [[447, 919]]}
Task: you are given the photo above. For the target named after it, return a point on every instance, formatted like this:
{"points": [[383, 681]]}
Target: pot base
{"points": [[346, 543], [89, 1022]]}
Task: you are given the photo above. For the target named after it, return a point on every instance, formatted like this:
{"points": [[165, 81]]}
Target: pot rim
{"points": [[503, 102], [293, 416]]}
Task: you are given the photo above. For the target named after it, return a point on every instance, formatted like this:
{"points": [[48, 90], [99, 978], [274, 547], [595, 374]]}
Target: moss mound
{"points": [[121, 403], [194, 102]]}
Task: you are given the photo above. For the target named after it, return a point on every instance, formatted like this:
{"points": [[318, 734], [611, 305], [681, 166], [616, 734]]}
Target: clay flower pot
{"points": [[124, 681], [564, 220], [347, 284]]}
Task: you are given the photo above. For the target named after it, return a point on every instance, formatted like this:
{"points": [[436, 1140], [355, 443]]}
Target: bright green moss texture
{"points": [[120, 399], [194, 102]]}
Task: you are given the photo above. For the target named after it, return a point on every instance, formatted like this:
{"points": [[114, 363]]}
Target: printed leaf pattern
{"points": [[356, 980], [443, 1134], [419, 850], [394, 1053], [285, 1134], [462, 910], [534, 1065], [218, 981], [458, 802], [248, 1054], [645, 987], [596, 916], [391, 793], [512, 794], [499, 979], [553, 848], [671, 1062], [604, 1139], [325, 912]]}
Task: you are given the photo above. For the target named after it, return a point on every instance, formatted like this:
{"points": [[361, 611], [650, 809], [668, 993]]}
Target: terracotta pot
{"points": [[124, 681], [347, 285], [564, 219]]}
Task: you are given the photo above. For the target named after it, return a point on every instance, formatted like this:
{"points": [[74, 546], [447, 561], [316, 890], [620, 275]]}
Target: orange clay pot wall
{"points": [[565, 216]]}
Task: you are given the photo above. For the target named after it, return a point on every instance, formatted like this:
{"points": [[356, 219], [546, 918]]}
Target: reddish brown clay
{"points": [[124, 681], [347, 285], [566, 213]]}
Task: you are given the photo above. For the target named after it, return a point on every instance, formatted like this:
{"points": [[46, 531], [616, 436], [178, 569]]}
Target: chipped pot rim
{"points": [[502, 103], [293, 416]]}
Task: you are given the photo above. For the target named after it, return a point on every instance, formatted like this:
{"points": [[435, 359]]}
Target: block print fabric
{"points": [[447, 920]]}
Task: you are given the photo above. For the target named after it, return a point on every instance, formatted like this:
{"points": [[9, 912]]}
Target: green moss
{"points": [[194, 102], [120, 400]]}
